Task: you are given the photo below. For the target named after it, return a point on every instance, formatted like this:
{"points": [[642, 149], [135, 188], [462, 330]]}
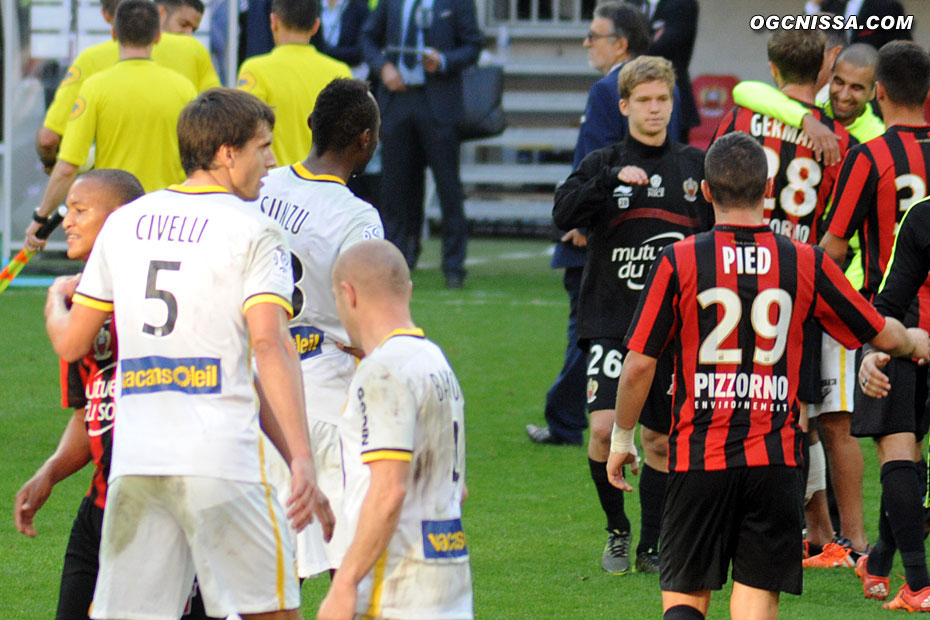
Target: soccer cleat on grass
{"points": [[873, 586], [833, 554], [647, 562], [909, 600], [616, 558]]}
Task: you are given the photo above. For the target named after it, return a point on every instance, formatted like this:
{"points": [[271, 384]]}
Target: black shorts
{"points": [[605, 357], [79, 575], [810, 389], [904, 410], [750, 516]]}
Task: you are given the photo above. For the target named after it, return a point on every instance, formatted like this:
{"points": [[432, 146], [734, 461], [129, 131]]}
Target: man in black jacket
{"points": [[634, 197]]}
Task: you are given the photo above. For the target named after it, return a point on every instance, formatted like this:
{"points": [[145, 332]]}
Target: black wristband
{"points": [[38, 219]]}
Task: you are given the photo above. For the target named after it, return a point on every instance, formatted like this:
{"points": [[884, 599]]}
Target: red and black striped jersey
{"points": [[878, 182], [91, 383], [904, 291], [802, 184], [732, 303]]}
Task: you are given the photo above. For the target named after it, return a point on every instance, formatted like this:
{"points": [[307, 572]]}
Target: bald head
{"points": [[859, 55], [375, 268]]}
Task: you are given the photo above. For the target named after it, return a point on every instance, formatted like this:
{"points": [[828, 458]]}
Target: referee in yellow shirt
{"points": [[184, 54], [290, 77], [130, 110]]}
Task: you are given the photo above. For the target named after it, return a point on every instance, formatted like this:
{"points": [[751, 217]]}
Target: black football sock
{"points": [[682, 612], [651, 496], [882, 555], [611, 497], [901, 492]]}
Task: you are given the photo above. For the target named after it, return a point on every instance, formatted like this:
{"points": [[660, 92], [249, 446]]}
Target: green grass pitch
{"points": [[535, 529]]}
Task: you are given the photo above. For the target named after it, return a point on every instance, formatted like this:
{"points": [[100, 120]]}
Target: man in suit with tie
{"points": [[419, 48]]}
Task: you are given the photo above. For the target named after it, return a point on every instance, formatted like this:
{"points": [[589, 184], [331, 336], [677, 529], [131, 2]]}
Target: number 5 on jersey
{"points": [[153, 292]]}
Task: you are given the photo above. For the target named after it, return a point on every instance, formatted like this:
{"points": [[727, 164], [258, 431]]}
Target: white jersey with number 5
{"points": [[405, 404], [179, 267]]}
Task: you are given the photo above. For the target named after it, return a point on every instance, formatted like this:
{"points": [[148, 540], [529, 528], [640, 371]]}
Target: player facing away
{"points": [[404, 446], [801, 189], [129, 111], [174, 50], [197, 282], [634, 197], [321, 218], [731, 303]]}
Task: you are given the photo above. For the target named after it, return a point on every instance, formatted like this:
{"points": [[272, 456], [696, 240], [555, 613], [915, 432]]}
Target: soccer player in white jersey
{"points": [[321, 218], [404, 449], [197, 280]]}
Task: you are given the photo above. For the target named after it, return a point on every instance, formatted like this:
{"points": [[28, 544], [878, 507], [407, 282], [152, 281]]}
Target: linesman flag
{"points": [[19, 261]]}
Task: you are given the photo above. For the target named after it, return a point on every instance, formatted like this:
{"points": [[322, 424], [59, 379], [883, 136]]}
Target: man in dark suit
{"points": [[419, 49], [674, 26], [867, 8], [340, 38]]}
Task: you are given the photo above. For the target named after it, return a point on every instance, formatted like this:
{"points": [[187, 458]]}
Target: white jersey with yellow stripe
{"points": [[406, 404], [180, 267], [321, 218]]}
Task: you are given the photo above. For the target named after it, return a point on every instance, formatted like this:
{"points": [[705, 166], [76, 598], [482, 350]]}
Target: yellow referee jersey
{"points": [[131, 110], [184, 54], [289, 78]]}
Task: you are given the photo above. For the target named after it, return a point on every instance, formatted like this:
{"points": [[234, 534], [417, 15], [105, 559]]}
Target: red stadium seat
{"points": [[714, 96]]}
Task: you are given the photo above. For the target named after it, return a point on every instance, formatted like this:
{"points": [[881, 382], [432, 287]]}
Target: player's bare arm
{"points": [[898, 341], [269, 423], [71, 332], [378, 519], [635, 381], [279, 367], [835, 247], [72, 454], [63, 175], [47, 142]]}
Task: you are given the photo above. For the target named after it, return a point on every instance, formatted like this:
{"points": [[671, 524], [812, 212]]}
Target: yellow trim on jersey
{"points": [[416, 332], [199, 189], [90, 302], [377, 585], [279, 549], [301, 171], [387, 455], [268, 298], [842, 386]]}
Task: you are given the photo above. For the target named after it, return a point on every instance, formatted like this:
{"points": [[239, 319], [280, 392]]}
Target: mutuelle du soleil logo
{"points": [[188, 375]]}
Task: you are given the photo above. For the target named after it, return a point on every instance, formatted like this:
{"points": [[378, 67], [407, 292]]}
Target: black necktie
{"points": [[410, 38]]}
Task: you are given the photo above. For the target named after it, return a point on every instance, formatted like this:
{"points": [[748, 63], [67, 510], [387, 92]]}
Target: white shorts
{"points": [[837, 378], [326, 383], [159, 530]]}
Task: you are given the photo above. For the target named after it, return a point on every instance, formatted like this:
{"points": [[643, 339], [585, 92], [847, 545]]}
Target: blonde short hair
{"points": [[645, 69]]}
